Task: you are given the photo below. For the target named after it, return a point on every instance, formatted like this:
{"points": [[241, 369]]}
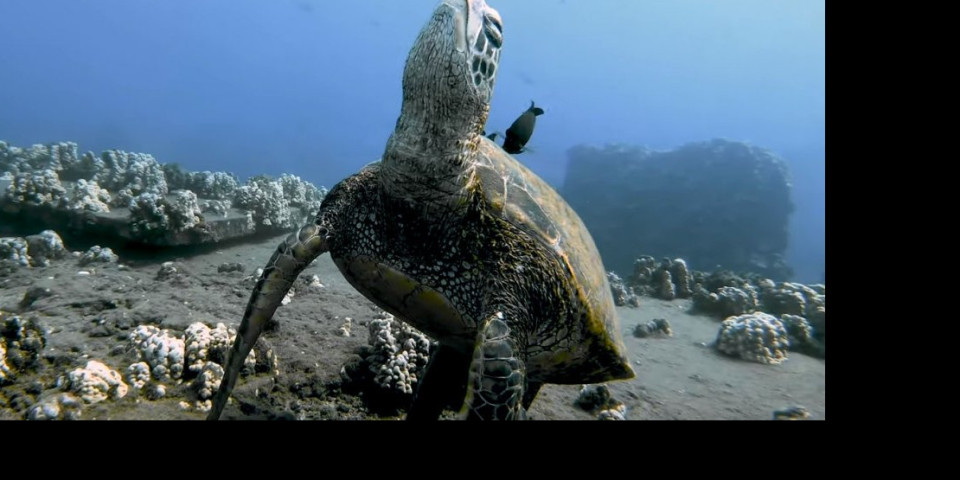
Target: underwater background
{"points": [[312, 88]]}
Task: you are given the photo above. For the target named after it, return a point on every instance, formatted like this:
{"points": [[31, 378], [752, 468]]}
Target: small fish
{"points": [[519, 133]]}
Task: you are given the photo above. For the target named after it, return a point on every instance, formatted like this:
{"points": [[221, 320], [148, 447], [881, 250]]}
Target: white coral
{"points": [[61, 406], [36, 188], [96, 382], [759, 337], [98, 254], [138, 374], [216, 185], [45, 246], [209, 379], [617, 412], [400, 354], [131, 173], [183, 209], [203, 343], [161, 350], [15, 249], [88, 196], [6, 373], [265, 199]]}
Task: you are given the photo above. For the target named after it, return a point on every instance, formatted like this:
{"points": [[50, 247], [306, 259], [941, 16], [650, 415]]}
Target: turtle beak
{"points": [[473, 18], [493, 26]]}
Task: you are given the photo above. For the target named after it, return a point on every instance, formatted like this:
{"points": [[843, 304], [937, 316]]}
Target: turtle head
{"points": [[450, 71]]}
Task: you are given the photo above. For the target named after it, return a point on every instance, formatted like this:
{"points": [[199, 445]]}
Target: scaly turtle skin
{"points": [[454, 236]]}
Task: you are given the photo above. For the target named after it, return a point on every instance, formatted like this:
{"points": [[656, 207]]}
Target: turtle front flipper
{"points": [[496, 385], [290, 258], [442, 383]]}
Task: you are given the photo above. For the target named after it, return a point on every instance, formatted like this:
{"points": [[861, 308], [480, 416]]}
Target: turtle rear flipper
{"points": [[496, 385], [290, 258]]}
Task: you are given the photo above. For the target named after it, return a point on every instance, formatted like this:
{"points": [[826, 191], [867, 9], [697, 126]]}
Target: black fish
{"points": [[519, 133]]}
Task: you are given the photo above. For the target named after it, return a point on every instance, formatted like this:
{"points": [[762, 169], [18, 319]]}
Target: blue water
{"points": [[313, 87]]}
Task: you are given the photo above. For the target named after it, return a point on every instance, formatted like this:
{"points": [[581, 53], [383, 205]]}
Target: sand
{"points": [[91, 316]]}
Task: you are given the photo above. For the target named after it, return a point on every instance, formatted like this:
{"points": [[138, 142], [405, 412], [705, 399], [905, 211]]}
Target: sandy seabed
{"points": [[90, 317]]}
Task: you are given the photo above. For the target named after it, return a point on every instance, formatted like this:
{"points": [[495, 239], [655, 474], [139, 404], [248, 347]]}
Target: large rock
{"points": [[716, 203]]}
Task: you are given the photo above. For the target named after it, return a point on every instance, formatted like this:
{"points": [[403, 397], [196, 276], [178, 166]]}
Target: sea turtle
{"points": [[451, 234]]}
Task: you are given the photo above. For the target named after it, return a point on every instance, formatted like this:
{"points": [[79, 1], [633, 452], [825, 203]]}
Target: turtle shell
{"points": [[523, 199]]}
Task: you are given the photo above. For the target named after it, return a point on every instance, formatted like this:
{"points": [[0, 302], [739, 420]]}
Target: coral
{"points": [[167, 271], [176, 176], [132, 174], [400, 354], [183, 209], [727, 301], [155, 391], [308, 283], [88, 196], [265, 199], [54, 156], [152, 214], [45, 246], [303, 195], [793, 299], [60, 406], [148, 216], [643, 270], [658, 326], [667, 280], [720, 278], [86, 168], [6, 371], [262, 359], [20, 345], [622, 294], [345, 327], [759, 337], [801, 335], [161, 350], [96, 382], [203, 344], [594, 397], [785, 300], [282, 203], [217, 207], [215, 185], [138, 375], [208, 381], [294, 189], [734, 301], [809, 301], [98, 254], [681, 278], [14, 249], [665, 288], [617, 412], [598, 399], [38, 188]]}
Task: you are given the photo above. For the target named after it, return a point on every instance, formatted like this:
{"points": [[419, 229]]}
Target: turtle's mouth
{"points": [[476, 23]]}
